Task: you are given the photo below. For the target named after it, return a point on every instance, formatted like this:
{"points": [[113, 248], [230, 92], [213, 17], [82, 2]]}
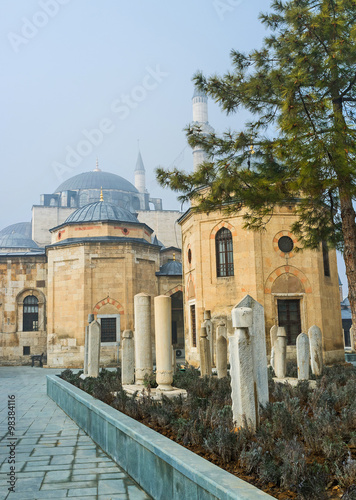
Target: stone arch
{"points": [[290, 270], [219, 226], [108, 301], [172, 291], [40, 296]]}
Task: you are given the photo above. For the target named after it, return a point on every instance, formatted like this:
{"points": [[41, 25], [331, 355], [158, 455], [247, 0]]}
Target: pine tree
{"points": [[299, 145]]}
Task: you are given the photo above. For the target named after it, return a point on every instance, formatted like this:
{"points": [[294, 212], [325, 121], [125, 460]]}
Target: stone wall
{"points": [[164, 225], [260, 270], [21, 276]]}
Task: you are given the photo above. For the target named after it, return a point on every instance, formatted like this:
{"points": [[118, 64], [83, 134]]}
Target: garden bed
{"points": [[305, 447]]}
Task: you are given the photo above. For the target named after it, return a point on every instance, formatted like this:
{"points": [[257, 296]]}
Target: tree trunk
{"points": [[349, 233]]}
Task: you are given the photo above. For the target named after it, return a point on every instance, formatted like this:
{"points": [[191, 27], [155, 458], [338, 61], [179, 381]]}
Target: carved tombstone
{"points": [[259, 351]]}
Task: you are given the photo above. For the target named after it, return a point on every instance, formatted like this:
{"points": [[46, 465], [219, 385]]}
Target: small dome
{"points": [[17, 236], [101, 211], [96, 180], [171, 268]]}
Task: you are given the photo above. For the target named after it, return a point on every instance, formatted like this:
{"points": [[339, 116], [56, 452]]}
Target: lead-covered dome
{"points": [[96, 180], [101, 211], [17, 236]]}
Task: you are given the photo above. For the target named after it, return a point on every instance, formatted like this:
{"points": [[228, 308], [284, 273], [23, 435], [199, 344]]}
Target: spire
{"points": [[97, 169], [139, 163]]}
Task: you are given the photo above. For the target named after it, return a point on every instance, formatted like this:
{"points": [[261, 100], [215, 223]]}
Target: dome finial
{"points": [[174, 256], [101, 194], [97, 169]]}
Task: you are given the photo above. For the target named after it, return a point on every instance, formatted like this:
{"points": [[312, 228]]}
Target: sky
{"points": [[88, 79]]}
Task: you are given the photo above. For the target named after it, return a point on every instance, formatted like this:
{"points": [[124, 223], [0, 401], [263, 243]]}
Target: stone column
{"points": [[163, 332], [127, 358], [353, 338], [205, 357], [143, 344], [86, 347], [94, 349], [303, 355], [210, 333], [316, 349], [280, 353], [273, 335], [243, 386]]}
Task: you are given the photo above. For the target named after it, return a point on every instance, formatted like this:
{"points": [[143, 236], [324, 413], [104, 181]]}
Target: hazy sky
{"points": [[111, 71]]}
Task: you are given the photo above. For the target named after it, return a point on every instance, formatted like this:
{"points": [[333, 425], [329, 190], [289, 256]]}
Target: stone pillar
{"points": [[243, 386], [280, 353], [210, 333], [205, 357], [303, 356], [353, 338], [127, 358], [143, 344], [316, 349], [86, 347], [273, 335], [94, 349], [257, 334], [221, 356], [163, 332]]}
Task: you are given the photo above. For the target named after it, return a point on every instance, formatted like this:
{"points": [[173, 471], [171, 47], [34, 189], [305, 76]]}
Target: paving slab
{"points": [[53, 457]]}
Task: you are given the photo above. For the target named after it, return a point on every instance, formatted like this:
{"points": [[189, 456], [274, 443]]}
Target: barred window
{"points": [[30, 314], [224, 253]]}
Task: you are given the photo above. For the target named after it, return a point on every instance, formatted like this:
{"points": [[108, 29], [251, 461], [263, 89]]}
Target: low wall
{"points": [[163, 468]]}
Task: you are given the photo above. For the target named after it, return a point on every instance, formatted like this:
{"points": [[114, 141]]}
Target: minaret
{"points": [[140, 176], [200, 118]]}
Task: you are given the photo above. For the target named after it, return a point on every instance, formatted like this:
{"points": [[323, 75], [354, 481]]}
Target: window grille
{"points": [[224, 253]]}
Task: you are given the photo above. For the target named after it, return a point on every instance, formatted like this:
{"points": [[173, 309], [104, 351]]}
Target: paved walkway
{"points": [[54, 458]]}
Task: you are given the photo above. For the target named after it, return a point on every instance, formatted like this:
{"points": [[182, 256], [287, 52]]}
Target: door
{"points": [[289, 317]]}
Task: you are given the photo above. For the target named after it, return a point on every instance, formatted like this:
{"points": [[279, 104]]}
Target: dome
{"points": [[101, 211], [17, 236], [171, 268], [96, 180]]}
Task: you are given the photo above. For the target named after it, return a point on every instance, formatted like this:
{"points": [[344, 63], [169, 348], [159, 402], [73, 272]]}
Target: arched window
{"points": [[224, 253], [30, 314]]}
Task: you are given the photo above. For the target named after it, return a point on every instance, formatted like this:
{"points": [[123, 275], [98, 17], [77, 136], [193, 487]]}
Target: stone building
{"points": [[87, 251], [222, 262]]}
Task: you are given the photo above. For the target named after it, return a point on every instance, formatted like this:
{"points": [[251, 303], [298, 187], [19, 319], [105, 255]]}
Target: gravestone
{"points": [[280, 353], [143, 344], [303, 356], [210, 333], [244, 393], [205, 357], [86, 347], [273, 335], [163, 333], [128, 358], [258, 339], [316, 349], [221, 351], [94, 339]]}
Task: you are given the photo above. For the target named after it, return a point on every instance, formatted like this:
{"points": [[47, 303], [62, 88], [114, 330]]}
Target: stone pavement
{"points": [[54, 457]]}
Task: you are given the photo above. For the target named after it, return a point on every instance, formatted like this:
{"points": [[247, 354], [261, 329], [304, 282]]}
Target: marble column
{"points": [[127, 358], [94, 340], [163, 334], [143, 344]]}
